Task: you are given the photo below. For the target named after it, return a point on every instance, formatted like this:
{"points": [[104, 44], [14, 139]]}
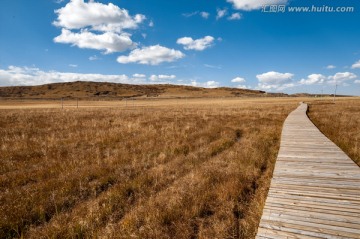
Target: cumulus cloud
{"points": [[78, 14], [204, 15], [34, 76], [161, 77], [341, 78], [152, 55], [212, 84], [275, 80], [220, 13], [356, 65], [98, 26], [109, 41], [243, 87], [198, 44], [313, 79], [136, 75], [273, 77], [275, 87], [329, 67], [235, 16], [207, 84], [238, 80], [249, 5]]}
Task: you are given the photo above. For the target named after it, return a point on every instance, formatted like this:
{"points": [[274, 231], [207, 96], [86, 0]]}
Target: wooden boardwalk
{"points": [[315, 190]]}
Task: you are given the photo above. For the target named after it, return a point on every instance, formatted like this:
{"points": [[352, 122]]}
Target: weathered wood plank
{"points": [[315, 190]]}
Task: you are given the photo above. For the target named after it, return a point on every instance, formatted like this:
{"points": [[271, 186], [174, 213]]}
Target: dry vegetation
{"points": [[186, 170], [340, 122], [107, 91]]}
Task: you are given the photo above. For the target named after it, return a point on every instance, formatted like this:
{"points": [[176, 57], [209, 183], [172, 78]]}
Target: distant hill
{"points": [[105, 90]]}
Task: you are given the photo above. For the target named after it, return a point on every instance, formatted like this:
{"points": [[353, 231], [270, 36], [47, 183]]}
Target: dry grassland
{"points": [[164, 169], [340, 122]]}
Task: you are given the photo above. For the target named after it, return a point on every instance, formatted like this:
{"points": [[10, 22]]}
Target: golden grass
{"points": [[168, 169], [340, 122]]}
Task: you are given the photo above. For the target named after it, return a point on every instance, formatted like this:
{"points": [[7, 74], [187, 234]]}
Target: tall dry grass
{"points": [[340, 122], [181, 171]]}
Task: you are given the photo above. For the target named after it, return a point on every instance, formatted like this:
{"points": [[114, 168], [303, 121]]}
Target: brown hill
{"points": [[105, 90]]}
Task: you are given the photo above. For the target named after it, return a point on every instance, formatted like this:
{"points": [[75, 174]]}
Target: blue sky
{"points": [[236, 43]]}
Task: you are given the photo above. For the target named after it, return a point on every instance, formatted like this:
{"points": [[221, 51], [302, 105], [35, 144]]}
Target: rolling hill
{"points": [[105, 90]]}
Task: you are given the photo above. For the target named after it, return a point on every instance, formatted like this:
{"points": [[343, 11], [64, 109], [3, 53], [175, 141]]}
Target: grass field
{"points": [[195, 168], [340, 122], [160, 169]]}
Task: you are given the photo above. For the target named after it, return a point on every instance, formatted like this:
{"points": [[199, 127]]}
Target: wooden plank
{"points": [[307, 230], [326, 185], [316, 212], [334, 191], [323, 204], [316, 207], [351, 193], [275, 234], [316, 194], [317, 226], [326, 222], [315, 190]]}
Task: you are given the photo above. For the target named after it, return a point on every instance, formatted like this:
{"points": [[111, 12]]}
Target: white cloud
{"points": [[204, 15], [273, 77], [207, 84], [356, 65], [197, 45], [161, 77], [109, 42], [190, 14], [329, 67], [235, 16], [33, 76], [275, 87], [357, 82], [212, 66], [313, 79], [151, 24], [243, 87], [136, 75], [167, 77], [73, 65], [275, 80], [152, 55], [212, 84], [341, 78], [94, 58], [249, 5], [220, 13], [94, 25], [78, 14], [238, 80]]}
